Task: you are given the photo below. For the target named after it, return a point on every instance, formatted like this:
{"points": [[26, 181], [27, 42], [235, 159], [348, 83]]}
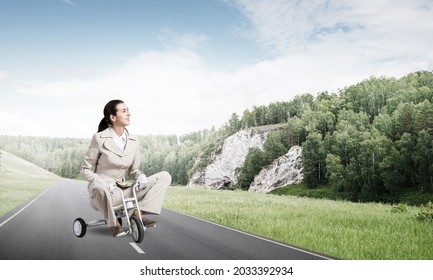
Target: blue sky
{"points": [[186, 65]]}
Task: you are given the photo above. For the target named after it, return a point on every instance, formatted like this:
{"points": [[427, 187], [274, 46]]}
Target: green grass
{"points": [[20, 181], [358, 231]]}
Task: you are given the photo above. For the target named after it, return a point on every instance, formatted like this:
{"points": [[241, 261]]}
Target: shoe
{"points": [[117, 230], [146, 222]]}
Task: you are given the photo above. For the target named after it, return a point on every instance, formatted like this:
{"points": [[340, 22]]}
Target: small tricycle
{"points": [[128, 205]]}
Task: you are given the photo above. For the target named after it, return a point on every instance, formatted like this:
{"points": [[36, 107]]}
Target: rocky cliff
{"points": [[285, 170], [219, 172]]}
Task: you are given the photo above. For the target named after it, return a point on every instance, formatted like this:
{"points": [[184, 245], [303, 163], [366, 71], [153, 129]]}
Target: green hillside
{"points": [[20, 180]]}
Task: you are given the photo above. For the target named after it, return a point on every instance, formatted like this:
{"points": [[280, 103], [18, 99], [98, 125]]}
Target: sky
{"points": [[186, 65]]}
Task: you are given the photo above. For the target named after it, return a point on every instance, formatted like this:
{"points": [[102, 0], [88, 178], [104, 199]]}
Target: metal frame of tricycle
{"points": [[129, 204]]}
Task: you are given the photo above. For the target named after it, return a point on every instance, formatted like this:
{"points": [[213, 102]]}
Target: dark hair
{"points": [[109, 109]]}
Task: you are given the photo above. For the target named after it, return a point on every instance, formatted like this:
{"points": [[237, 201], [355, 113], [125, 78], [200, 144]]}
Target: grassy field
{"points": [[356, 231], [20, 181]]}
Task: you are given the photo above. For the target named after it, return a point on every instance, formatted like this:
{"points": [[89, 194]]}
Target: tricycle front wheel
{"points": [[137, 229]]}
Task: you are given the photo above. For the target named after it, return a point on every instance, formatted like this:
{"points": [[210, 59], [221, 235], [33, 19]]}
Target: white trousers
{"points": [[150, 199]]}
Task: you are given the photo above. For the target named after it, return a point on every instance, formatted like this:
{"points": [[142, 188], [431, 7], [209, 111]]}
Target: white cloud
{"points": [[330, 44], [168, 92], [4, 75], [293, 26]]}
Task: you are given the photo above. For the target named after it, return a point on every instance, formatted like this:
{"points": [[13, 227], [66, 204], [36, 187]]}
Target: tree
{"points": [[384, 124], [235, 123], [369, 96], [406, 147], [335, 172], [403, 119], [346, 144], [372, 152], [261, 115], [298, 104], [247, 119], [423, 159], [278, 112], [295, 133], [424, 117], [274, 146], [314, 160], [252, 165]]}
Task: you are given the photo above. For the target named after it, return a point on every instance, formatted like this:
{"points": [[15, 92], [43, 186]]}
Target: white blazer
{"points": [[105, 163]]}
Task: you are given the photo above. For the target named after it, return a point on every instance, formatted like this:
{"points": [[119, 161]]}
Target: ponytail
{"points": [[103, 125], [109, 109]]}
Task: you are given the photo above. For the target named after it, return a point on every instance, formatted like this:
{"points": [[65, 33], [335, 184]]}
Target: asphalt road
{"points": [[42, 230]]}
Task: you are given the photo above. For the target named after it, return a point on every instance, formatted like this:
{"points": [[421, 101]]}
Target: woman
{"points": [[112, 153]]}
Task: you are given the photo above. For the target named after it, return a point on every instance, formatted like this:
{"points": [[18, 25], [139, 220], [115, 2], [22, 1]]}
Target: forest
{"points": [[370, 141]]}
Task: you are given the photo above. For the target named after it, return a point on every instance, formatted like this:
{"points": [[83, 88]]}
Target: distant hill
{"points": [[20, 181], [11, 165]]}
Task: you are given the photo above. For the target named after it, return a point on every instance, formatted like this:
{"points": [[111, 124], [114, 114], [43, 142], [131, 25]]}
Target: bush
{"points": [[426, 213], [324, 192], [399, 208]]}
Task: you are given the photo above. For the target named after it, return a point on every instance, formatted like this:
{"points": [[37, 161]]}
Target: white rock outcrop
{"points": [[285, 170], [221, 170]]}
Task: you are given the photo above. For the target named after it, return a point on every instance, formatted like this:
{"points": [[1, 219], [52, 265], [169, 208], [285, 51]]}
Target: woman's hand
{"points": [[141, 182]]}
